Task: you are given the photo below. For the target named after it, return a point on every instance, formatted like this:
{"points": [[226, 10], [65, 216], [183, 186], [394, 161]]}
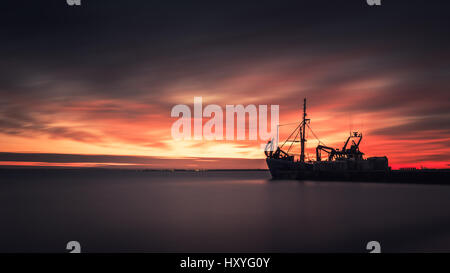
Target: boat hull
{"points": [[285, 169]]}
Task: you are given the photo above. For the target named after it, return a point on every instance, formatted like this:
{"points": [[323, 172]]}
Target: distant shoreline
{"points": [[142, 169], [8, 167]]}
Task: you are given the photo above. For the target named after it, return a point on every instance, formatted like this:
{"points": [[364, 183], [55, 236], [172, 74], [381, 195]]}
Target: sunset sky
{"points": [[94, 85]]}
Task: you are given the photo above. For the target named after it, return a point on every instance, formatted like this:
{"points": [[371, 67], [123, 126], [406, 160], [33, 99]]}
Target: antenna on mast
{"points": [[303, 137]]}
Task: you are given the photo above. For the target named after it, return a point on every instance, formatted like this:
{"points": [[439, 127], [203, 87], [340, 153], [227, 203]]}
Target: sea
{"points": [[149, 211]]}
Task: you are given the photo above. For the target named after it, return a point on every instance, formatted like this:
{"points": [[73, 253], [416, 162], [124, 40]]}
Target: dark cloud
{"points": [[420, 126], [141, 161], [435, 157], [105, 44], [17, 120]]}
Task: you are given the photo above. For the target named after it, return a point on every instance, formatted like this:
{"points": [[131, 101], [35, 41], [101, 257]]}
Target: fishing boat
{"points": [[346, 164]]}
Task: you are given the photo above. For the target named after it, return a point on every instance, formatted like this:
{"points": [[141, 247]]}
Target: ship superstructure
{"points": [[347, 163]]}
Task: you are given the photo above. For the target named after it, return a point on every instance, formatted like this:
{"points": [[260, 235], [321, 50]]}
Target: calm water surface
{"points": [[239, 211]]}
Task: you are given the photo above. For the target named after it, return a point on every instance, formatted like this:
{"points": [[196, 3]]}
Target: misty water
{"points": [[221, 211]]}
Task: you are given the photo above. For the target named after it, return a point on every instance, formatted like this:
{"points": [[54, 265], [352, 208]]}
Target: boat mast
{"points": [[303, 140]]}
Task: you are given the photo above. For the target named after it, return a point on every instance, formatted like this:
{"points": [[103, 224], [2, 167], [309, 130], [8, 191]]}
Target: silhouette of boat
{"points": [[345, 164]]}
